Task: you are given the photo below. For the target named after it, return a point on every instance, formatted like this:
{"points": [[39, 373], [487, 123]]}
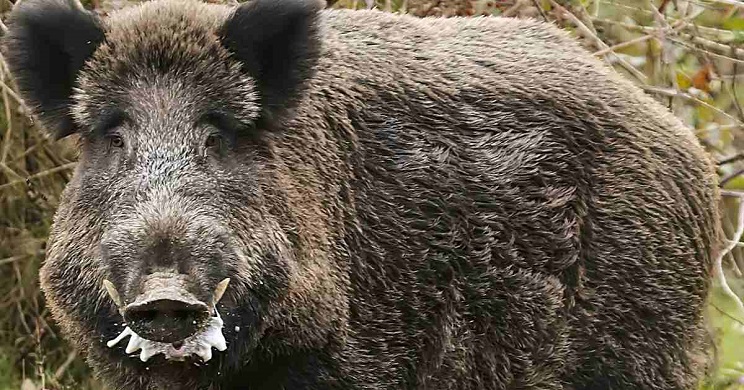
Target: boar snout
{"points": [[166, 311], [162, 261], [167, 320]]}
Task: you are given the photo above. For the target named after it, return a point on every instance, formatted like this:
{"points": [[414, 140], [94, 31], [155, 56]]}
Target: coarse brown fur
{"points": [[400, 203]]}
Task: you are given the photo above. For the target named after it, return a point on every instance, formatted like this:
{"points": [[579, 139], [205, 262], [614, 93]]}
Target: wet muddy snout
{"points": [[166, 311]]}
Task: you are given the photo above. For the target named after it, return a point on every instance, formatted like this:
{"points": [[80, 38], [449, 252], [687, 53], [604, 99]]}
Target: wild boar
{"points": [[277, 196]]}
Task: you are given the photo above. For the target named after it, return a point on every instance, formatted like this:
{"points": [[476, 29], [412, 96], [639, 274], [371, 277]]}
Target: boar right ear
{"points": [[46, 46], [277, 43]]}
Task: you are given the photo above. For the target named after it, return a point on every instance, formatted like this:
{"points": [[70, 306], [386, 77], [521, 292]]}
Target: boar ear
{"points": [[47, 44], [277, 42]]}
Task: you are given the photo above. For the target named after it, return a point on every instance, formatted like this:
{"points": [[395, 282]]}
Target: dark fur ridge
{"points": [[46, 47], [449, 203]]}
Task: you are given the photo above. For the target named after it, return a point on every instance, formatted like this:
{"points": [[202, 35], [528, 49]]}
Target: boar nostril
{"points": [[166, 320], [147, 315], [181, 314]]}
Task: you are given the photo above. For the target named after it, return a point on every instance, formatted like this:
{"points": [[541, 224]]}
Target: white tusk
{"points": [[111, 290], [220, 290]]}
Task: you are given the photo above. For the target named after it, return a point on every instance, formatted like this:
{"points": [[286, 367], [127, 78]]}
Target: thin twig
{"points": [[726, 314], [621, 45], [540, 9], [663, 5], [735, 3], [718, 272], [687, 96], [588, 32], [732, 176], [10, 171], [15, 96], [730, 126], [706, 46], [732, 159], [732, 193], [513, 10], [706, 43], [62, 368], [7, 138], [12, 259], [38, 175], [732, 91]]}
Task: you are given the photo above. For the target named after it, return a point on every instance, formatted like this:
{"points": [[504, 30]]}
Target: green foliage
{"points": [[727, 329]]}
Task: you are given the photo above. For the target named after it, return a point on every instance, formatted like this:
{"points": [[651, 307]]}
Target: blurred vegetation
{"points": [[687, 53]]}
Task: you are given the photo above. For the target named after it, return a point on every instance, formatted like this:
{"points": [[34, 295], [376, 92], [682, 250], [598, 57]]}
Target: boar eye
{"points": [[213, 141], [226, 126], [116, 141]]}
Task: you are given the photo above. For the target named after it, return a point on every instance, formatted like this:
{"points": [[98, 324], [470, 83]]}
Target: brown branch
{"points": [[718, 265], [588, 32], [12, 259], [735, 3], [7, 138], [62, 368], [540, 9], [38, 175], [730, 177], [732, 159], [706, 43], [687, 96], [732, 91], [732, 193], [726, 314], [621, 45]]}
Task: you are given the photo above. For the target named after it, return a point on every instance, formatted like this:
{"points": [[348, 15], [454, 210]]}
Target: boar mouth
{"points": [[167, 315], [169, 320], [199, 344]]}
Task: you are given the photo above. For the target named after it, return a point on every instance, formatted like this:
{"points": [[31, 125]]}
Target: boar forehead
{"points": [[166, 54]]}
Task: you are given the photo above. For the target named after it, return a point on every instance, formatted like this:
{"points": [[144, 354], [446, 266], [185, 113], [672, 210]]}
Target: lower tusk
{"points": [[111, 290], [220, 290]]}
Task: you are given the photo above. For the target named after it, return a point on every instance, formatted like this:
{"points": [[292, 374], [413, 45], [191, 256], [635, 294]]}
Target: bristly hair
{"points": [[50, 42], [169, 40], [47, 45], [277, 42]]}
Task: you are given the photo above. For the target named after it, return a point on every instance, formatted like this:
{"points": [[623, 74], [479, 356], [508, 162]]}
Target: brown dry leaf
{"points": [[701, 79]]}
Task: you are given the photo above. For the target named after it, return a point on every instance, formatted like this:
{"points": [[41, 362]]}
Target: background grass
{"points": [[687, 53]]}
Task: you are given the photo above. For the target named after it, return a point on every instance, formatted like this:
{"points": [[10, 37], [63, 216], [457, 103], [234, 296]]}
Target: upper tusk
{"points": [[220, 290], [111, 290]]}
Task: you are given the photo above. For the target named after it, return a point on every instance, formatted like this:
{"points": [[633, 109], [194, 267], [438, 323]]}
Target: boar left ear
{"points": [[47, 44], [277, 42]]}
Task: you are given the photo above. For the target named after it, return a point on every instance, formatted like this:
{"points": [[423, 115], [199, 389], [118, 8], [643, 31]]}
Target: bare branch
{"points": [[7, 138], [621, 45], [541, 10], [730, 177], [603, 46], [732, 159], [62, 368], [39, 175], [684, 39], [735, 3], [732, 193], [726, 314], [687, 96], [718, 270], [732, 92]]}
